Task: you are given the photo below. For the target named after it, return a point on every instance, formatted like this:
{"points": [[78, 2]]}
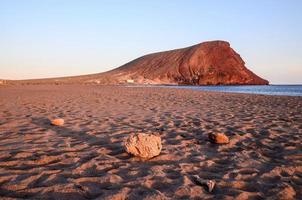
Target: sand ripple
{"points": [[85, 159]]}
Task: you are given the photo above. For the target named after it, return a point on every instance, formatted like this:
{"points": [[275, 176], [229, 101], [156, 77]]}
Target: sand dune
{"points": [[85, 159]]}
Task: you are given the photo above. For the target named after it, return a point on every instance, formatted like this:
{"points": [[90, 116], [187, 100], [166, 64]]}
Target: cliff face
{"points": [[208, 63]]}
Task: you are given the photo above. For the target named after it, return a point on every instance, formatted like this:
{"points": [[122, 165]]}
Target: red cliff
{"points": [[208, 63]]}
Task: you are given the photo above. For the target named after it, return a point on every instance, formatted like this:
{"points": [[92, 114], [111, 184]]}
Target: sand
{"points": [[85, 158]]}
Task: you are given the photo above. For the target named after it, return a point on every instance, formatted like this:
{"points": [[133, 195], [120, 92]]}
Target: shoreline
{"points": [[245, 89]]}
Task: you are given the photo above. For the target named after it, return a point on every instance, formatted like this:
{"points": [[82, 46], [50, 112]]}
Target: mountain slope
{"points": [[208, 63]]}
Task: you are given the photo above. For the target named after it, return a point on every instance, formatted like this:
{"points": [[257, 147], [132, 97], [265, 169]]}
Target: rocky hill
{"points": [[207, 63]]}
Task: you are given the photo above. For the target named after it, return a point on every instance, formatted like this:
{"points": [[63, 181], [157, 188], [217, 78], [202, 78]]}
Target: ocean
{"points": [[283, 90]]}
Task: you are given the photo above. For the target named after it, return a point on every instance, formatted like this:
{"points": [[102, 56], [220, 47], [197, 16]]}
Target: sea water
{"points": [[283, 90]]}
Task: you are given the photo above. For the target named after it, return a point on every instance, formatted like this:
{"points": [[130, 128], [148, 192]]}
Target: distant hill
{"points": [[207, 63]]}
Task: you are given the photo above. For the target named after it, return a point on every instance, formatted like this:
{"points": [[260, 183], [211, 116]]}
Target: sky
{"points": [[53, 38]]}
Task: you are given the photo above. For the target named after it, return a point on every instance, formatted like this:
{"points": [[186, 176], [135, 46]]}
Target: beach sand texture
{"points": [[85, 158]]}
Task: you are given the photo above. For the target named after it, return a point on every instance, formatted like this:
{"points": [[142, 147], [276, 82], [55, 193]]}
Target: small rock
{"points": [[287, 193], [143, 145], [218, 138], [209, 183], [57, 122], [2, 82]]}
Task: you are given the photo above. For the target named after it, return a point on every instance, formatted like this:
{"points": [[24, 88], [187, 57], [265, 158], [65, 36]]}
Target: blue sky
{"points": [[52, 38]]}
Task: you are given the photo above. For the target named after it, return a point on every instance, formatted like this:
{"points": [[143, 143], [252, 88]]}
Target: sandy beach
{"points": [[86, 159]]}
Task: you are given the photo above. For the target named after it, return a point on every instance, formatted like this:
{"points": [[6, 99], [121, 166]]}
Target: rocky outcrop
{"points": [[208, 63], [143, 145]]}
